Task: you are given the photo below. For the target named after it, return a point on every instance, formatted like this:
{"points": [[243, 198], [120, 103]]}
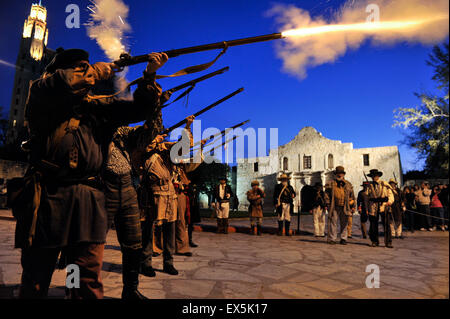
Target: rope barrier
{"points": [[411, 211]]}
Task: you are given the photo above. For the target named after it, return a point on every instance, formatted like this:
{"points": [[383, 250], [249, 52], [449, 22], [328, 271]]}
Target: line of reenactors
{"points": [[377, 199], [90, 171]]}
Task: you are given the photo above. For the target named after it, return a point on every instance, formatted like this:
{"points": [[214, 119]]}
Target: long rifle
{"points": [[365, 176], [127, 60], [197, 80], [168, 130], [223, 144], [222, 132]]}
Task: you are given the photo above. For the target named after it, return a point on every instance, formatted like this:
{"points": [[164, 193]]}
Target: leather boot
{"points": [[258, 227], [280, 228], [191, 243], [225, 225], [130, 274], [219, 225], [286, 228], [364, 230]]}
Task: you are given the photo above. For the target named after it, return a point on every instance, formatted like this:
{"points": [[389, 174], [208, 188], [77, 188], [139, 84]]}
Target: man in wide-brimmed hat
{"points": [[283, 200], [397, 209], [221, 199], [255, 196], [363, 207], [380, 198], [340, 201]]}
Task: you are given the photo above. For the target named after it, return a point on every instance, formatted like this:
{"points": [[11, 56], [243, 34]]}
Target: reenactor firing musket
{"points": [[168, 130], [127, 60]]}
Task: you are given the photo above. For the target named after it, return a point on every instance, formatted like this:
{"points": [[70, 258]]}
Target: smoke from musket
{"points": [[107, 26], [312, 41]]}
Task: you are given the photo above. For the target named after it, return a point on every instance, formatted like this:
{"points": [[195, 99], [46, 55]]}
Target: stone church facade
{"points": [[310, 158]]}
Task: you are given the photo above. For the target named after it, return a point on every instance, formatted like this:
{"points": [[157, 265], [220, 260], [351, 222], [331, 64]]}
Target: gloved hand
{"points": [[155, 61]]}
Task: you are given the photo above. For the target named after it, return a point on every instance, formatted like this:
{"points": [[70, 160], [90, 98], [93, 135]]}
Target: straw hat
{"points": [[284, 176]]}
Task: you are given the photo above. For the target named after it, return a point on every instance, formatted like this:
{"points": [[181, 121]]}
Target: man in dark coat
{"points": [[363, 207], [221, 199], [194, 216], [283, 200], [69, 132]]}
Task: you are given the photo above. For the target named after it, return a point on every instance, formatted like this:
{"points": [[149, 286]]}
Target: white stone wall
{"points": [[309, 142]]}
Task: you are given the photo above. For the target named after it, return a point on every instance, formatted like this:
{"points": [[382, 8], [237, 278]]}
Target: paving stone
{"points": [[299, 291], [239, 290], [223, 274], [328, 285], [271, 271], [192, 288], [238, 265]]}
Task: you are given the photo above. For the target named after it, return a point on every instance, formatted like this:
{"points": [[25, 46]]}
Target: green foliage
{"points": [[428, 124]]}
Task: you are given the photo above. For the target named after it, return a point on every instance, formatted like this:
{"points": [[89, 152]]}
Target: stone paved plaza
{"points": [[238, 265]]}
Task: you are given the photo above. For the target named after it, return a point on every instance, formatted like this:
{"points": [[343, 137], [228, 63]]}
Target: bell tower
{"points": [[35, 29], [31, 60]]}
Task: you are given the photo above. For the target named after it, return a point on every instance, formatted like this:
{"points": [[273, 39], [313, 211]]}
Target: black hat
{"points": [[223, 178], [66, 58], [339, 170], [365, 184], [375, 172]]}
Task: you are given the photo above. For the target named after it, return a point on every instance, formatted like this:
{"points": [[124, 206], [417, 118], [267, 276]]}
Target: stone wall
{"points": [[325, 155]]}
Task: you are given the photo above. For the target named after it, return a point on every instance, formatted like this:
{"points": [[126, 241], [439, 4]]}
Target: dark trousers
{"points": [[373, 231], [39, 264], [438, 212], [190, 231], [410, 219], [168, 231], [123, 210], [425, 221]]}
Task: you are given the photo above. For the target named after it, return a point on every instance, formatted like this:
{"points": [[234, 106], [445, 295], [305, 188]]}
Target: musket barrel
{"points": [[166, 131], [127, 60], [221, 45], [200, 79]]}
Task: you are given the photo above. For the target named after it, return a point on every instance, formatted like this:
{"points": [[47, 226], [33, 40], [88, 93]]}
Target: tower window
{"points": [[285, 164], [366, 160], [18, 91], [307, 162], [330, 161], [255, 167], [15, 111], [17, 101]]}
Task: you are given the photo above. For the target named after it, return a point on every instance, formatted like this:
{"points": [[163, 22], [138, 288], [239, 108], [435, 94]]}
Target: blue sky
{"points": [[351, 100]]}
